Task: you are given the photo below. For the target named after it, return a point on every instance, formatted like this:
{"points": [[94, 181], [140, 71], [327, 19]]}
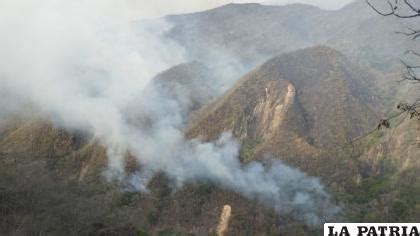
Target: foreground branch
{"points": [[394, 9]]}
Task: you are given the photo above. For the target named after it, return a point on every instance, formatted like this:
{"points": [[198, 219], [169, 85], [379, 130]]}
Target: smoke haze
{"points": [[85, 66]]}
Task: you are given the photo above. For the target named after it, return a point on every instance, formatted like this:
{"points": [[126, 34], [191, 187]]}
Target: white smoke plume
{"points": [[85, 65]]}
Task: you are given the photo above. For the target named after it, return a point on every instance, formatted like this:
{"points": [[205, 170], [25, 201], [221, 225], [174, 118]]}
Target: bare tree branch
{"points": [[410, 74], [393, 9], [411, 6], [410, 110], [413, 33]]}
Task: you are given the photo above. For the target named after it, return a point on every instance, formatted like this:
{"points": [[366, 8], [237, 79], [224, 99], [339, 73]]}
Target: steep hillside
{"points": [[305, 107], [302, 107], [309, 97]]}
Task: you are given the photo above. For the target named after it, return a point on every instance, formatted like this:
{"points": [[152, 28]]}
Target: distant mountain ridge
{"points": [[253, 33]]}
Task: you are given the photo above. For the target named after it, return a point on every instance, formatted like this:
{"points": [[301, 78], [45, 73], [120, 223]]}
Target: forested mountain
{"points": [[294, 84]]}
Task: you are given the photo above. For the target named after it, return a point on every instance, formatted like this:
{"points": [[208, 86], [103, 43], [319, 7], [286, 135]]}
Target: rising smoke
{"points": [[85, 65]]}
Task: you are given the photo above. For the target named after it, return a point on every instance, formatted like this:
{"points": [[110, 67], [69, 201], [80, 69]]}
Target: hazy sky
{"points": [[163, 7]]}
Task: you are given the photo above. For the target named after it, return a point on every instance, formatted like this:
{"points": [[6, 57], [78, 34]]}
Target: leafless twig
{"points": [[394, 9], [412, 33]]}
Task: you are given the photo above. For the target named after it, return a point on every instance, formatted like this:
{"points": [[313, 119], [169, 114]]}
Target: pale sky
{"points": [[153, 8]]}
